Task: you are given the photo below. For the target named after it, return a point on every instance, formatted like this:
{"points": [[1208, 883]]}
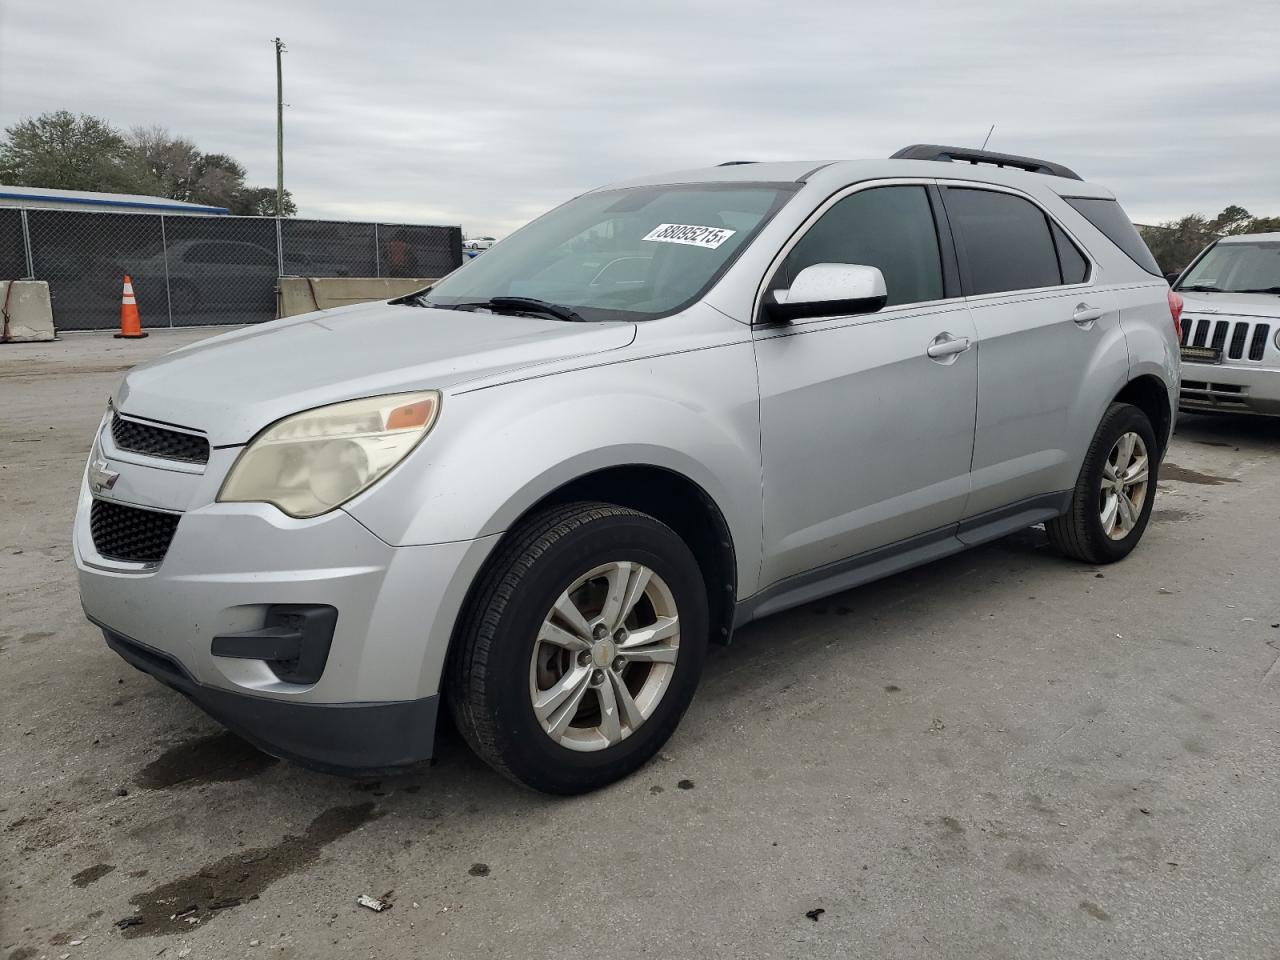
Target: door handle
{"points": [[944, 347], [1085, 315]]}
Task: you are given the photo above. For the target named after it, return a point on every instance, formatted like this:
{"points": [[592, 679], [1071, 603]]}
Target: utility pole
{"points": [[280, 48]]}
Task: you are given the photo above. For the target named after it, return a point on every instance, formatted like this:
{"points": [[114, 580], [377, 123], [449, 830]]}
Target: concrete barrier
{"points": [[296, 295], [26, 314]]}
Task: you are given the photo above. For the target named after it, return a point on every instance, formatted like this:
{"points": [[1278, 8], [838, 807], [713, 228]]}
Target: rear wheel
{"points": [[581, 649], [1112, 500]]}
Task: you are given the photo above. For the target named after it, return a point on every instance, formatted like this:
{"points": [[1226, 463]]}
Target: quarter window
{"points": [[1072, 263], [1004, 240], [887, 227]]}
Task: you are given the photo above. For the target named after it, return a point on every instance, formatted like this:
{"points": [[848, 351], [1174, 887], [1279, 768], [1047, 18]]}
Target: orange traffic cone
{"points": [[130, 322]]}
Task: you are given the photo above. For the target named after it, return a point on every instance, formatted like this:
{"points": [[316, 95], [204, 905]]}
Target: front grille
{"points": [[158, 441], [132, 534], [1236, 339], [1200, 393]]}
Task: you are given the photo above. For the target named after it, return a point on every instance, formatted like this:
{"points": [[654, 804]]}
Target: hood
{"points": [[1232, 304], [233, 385]]}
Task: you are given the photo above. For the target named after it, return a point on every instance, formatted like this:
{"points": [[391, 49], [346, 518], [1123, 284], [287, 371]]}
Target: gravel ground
{"points": [[1003, 754]]}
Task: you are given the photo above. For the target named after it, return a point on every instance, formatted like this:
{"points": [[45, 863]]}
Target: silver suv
{"points": [[1231, 335], [534, 491]]}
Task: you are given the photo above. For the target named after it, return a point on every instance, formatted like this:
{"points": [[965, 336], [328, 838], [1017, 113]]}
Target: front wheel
{"points": [[1112, 500], [581, 648]]}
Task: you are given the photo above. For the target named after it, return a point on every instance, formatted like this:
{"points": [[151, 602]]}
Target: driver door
{"points": [[866, 439]]}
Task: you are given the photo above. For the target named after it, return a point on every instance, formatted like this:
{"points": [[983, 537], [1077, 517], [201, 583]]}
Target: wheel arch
{"points": [[1149, 394], [670, 497]]}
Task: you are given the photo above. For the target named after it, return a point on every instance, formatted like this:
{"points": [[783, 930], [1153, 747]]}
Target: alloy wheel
{"points": [[605, 656], [1124, 486]]}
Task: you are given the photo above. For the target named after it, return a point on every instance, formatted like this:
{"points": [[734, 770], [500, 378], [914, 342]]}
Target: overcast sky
{"points": [[485, 113]]}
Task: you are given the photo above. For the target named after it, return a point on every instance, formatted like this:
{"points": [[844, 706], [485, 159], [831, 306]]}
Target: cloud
{"points": [[486, 113]]}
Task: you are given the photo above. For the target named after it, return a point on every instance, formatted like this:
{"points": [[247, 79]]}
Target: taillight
{"points": [[1176, 304]]}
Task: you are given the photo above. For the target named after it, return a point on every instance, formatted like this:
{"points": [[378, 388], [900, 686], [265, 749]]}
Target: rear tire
{"points": [[580, 649], [1112, 499]]}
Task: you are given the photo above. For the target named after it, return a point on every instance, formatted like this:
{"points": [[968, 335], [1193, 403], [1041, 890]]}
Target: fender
{"points": [[496, 451]]}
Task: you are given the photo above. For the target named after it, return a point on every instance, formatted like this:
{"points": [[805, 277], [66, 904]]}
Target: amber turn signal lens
{"points": [[410, 415]]}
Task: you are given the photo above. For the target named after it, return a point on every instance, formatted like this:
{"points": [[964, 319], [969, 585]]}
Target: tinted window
{"points": [[886, 227], [1004, 239], [1108, 217], [1075, 268]]}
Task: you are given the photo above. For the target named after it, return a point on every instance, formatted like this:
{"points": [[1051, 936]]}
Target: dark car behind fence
{"points": [[192, 270]]}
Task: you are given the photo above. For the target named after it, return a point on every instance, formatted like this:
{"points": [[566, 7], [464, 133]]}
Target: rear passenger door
{"points": [[1045, 328]]}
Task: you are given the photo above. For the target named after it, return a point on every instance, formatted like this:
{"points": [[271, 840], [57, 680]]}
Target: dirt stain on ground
{"points": [[1093, 910], [168, 908], [1171, 471], [1173, 516], [91, 874], [218, 759]]}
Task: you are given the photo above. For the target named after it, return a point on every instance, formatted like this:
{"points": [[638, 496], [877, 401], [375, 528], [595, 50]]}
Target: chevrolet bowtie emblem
{"points": [[101, 477]]}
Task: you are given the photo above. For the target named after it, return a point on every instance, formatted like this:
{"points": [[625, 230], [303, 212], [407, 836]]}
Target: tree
{"points": [[1234, 219], [66, 152], [261, 202], [163, 163], [1175, 242], [63, 151]]}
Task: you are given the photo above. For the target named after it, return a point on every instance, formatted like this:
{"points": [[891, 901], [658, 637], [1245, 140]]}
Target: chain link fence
{"points": [[192, 270], [13, 251]]}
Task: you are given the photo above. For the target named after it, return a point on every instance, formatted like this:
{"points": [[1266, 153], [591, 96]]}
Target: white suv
{"points": [[1231, 327]]}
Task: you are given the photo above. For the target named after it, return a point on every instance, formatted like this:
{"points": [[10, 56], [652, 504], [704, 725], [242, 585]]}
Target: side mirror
{"points": [[830, 290]]}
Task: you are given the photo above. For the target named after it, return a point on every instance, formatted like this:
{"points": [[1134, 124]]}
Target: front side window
{"points": [[630, 254], [1004, 240], [887, 227], [1245, 267]]}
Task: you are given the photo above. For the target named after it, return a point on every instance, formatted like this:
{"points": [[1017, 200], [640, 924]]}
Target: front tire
{"points": [[581, 647], [1112, 499]]}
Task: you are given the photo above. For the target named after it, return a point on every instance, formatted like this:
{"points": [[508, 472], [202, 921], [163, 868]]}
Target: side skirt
{"points": [[902, 555]]}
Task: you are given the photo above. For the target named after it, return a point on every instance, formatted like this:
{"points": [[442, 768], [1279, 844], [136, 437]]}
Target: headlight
{"points": [[311, 462]]}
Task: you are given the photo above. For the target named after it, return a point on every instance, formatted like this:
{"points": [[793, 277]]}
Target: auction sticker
{"points": [[687, 233]]}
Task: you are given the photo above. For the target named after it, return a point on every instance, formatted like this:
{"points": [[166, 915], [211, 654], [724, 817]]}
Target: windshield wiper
{"points": [[532, 305], [1259, 290], [1202, 288], [496, 304]]}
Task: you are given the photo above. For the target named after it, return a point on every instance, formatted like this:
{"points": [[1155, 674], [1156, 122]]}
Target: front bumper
{"points": [[374, 704], [345, 738], [1229, 388]]}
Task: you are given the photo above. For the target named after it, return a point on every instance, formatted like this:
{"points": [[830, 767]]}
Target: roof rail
{"points": [[736, 163], [931, 151]]}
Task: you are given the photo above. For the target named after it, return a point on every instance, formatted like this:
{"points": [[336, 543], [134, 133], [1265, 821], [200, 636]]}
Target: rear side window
{"points": [[1109, 218], [886, 227], [1074, 266], [1004, 241]]}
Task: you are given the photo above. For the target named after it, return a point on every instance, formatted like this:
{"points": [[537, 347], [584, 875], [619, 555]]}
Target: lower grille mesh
{"points": [[132, 534]]}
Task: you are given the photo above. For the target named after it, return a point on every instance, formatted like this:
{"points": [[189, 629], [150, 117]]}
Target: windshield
{"points": [[1252, 267], [630, 254]]}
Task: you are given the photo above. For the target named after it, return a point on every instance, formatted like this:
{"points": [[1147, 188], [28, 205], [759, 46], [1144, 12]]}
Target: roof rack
{"points": [[932, 151]]}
